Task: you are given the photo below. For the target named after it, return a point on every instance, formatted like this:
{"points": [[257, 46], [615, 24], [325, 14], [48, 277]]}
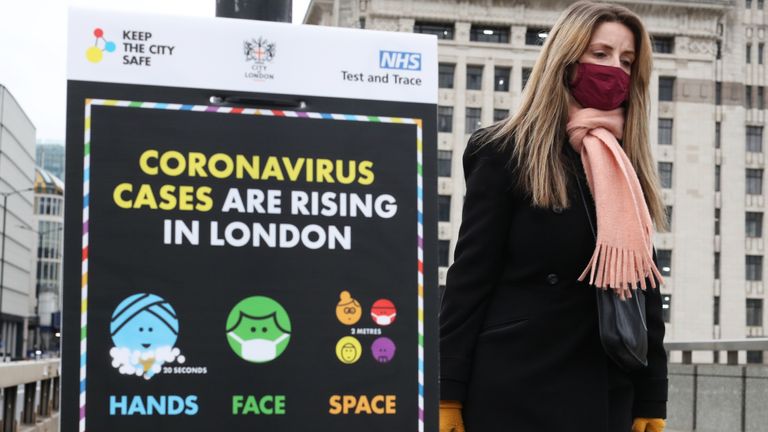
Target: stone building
{"points": [[708, 93]]}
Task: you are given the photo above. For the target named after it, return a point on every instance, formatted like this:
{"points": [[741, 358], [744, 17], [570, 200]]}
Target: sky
{"points": [[33, 47]]}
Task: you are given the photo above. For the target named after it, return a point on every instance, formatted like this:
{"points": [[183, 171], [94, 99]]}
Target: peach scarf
{"points": [[623, 255]]}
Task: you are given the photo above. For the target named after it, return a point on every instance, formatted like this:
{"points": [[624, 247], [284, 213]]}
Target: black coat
{"points": [[519, 341]]}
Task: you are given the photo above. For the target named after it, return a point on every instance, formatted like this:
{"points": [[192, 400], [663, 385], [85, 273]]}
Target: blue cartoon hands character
{"points": [[144, 329]]}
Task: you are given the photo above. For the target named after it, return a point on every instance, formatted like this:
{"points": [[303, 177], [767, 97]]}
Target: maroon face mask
{"points": [[600, 87]]}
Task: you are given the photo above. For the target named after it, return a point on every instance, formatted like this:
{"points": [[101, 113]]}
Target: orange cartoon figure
{"points": [[348, 310]]}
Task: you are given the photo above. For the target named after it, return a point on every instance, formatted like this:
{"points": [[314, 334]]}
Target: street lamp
{"points": [[5, 196], [39, 254]]}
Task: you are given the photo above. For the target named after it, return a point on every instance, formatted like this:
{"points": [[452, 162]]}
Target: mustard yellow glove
{"points": [[450, 417], [642, 424]]}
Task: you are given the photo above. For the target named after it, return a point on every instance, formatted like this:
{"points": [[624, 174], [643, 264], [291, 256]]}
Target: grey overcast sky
{"points": [[33, 47]]}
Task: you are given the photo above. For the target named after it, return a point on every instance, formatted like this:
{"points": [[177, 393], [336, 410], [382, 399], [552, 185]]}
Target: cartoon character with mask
{"points": [[258, 329], [144, 329], [383, 312]]}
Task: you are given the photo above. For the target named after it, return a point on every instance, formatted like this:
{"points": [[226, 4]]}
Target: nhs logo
{"points": [[400, 60]]}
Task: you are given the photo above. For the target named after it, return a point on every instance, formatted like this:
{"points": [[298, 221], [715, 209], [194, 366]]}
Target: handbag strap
{"points": [[586, 209]]}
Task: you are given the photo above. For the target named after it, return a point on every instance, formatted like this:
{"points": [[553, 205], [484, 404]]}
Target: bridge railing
{"points": [[30, 395], [717, 397]]}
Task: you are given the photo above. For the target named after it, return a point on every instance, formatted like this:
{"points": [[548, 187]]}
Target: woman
{"points": [[520, 346]]}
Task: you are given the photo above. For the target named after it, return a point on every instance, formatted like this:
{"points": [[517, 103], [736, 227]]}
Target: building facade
{"points": [[707, 120], [17, 239], [49, 213]]}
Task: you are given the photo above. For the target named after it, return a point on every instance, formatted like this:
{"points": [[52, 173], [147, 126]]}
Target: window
{"points": [[668, 212], [754, 224], [760, 4], [717, 134], [472, 120], [716, 310], [755, 139], [760, 53], [535, 36], [665, 131], [717, 221], [718, 93], [749, 53], [441, 30], [755, 357], [444, 163], [717, 178], [719, 50], [748, 4], [666, 88], [445, 75], [474, 77], [665, 174], [443, 250], [444, 119], [748, 96], [717, 274], [501, 79], [755, 312], [526, 75], [443, 208], [663, 44], [664, 261], [666, 307], [489, 34], [754, 268], [500, 114], [755, 181], [760, 97]]}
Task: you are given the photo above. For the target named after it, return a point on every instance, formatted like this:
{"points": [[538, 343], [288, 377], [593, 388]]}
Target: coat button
{"points": [[552, 279], [557, 210]]}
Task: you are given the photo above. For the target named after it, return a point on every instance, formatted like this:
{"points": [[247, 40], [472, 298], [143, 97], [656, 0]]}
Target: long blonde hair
{"points": [[538, 126]]}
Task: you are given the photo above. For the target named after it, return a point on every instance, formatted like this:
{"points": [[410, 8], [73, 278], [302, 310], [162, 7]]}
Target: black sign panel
{"points": [[235, 268]]}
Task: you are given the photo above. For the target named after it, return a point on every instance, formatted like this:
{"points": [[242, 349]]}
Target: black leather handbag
{"points": [[622, 323]]}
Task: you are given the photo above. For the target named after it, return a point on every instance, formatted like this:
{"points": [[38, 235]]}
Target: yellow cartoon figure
{"points": [[348, 310], [348, 350]]}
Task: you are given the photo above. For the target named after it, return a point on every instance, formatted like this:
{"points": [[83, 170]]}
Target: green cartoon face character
{"points": [[258, 329]]}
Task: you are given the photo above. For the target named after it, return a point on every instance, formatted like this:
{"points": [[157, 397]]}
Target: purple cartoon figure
{"points": [[383, 349]]}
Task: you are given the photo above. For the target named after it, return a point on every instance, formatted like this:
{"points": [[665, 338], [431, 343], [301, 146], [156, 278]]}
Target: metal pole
{"points": [[2, 275], [38, 336], [264, 10], [37, 285]]}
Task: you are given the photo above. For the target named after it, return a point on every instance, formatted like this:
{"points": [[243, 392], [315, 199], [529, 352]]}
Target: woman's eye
{"points": [[626, 63], [599, 54]]}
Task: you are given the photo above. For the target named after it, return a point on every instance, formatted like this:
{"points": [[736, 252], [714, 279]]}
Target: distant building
{"points": [[707, 132], [50, 157], [49, 212], [17, 260]]}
